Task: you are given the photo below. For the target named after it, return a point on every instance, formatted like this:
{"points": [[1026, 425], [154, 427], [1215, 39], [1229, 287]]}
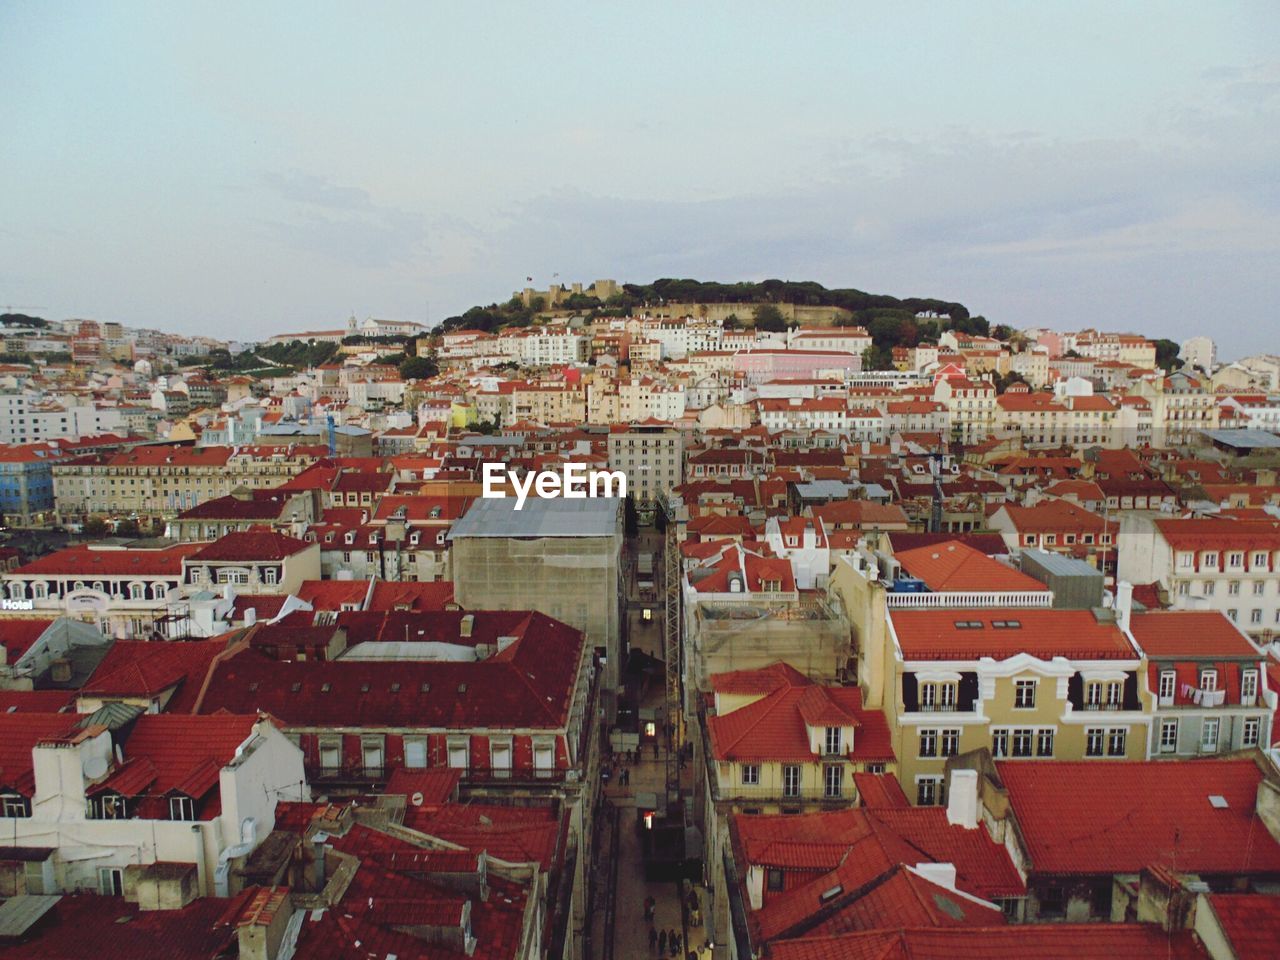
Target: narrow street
{"points": [[619, 928]]}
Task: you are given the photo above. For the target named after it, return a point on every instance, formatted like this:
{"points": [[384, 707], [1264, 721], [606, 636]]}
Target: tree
{"points": [[95, 527], [128, 528], [418, 368], [770, 318], [1002, 331], [1167, 355]]}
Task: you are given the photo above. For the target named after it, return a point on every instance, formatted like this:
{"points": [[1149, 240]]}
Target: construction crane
{"points": [[332, 431], [935, 514]]}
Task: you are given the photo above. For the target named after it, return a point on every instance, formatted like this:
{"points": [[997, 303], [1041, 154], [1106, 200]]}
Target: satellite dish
{"points": [[417, 799], [95, 767]]}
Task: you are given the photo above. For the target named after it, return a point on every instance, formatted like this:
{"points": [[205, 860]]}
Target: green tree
{"points": [[128, 528], [418, 368], [768, 317], [95, 527], [1167, 355]]}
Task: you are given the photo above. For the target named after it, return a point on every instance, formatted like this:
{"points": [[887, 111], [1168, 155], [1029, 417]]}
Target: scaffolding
{"points": [[671, 637]]}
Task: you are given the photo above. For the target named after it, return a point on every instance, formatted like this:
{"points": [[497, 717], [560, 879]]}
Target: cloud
{"points": [[343, 223]]}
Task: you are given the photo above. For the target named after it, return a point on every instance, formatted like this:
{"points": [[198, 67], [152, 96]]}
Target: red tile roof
{"points": [[19, 732], [1251, 922], [1212, 534], [1190, 633], [79, 926], [1108, 818], [775, 727], [954, 566], [247, 545], [530, 684], [1074, 634], [425, 596], [880, 790], [1050, 941], [140, 668], [93, 560], [17, 636]]}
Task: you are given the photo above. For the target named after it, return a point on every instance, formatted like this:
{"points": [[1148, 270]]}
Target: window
{"points": [[1248, 687], [928, 743], [500, 757], [950, 742], [1022, 740], [1000, 743], [459, 753], [1255, 615], [1168, 682], [1209, 734], [773, 879], [1185, 561], [938, 697], [1235, 559], [928, 791], [1114, 692], [1259, 560], [1211, 561], [415, 752], [1168, 736], [1093, 741], [1233, 614], [1208, 588], [13, 805], [1116, 741], [832, 780], [1184, 588], [544, 757], [1260, 588], [1024, 694], [832, 741], [1044, 743], [1208, 680], [111, 881], [1249, 736], [330, 755], [182, 808], [790, 780], [269, 576], [750, 774], [137, 591], [1233, 588]]}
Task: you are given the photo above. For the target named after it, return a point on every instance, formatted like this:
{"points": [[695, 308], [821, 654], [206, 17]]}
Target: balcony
{"points": [[1031, 599]]}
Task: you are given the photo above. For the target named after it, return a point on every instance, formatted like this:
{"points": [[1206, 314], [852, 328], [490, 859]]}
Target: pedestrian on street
{"points": [[653, 937], [674, 940], [662, 943]]}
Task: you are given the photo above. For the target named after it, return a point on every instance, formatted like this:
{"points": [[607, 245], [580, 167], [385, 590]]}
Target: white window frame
{"points": [[791, 779], [415, 752], [1248, 687], [832, 742], [832, 781], [1092, 736], [750, 774], [182, 808], [1021, 687], [1168, 686], [1251, 732], [459, 748], [1168, 736], [1210, 734], [1117, 736]]}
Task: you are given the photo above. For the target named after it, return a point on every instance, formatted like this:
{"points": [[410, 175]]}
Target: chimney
{"points": [[466, 625], [260, 929], [962, 801], [250, 617], [1124, 604], [943, 874]]}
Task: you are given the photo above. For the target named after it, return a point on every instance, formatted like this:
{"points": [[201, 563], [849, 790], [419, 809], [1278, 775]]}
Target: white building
{"points": [[1199, 352]]}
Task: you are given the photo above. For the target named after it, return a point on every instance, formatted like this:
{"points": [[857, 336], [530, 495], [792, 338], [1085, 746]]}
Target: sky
{"points": [[245, 169]]}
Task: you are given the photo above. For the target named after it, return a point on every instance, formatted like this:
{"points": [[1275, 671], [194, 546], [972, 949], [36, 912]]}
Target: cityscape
{"points": [[647, 482]]}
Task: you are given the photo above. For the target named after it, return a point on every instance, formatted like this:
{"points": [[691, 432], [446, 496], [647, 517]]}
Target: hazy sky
{"points": [[246, 169]]}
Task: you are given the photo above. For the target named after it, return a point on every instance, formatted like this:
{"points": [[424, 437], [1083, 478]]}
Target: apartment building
{"points": [[651, 454], [1209, 682], [1022, 683], [971, 406], [1228, 566]]}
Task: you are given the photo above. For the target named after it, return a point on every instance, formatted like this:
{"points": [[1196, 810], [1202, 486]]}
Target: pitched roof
{"points": [[1049, 941], [1108, 818], [1251, 922], [140, 668], [955, 566], [95, 560], [775, 726], [1041, 633], [1214, 534], [245, 545], [529, 684], [1191, 633]]}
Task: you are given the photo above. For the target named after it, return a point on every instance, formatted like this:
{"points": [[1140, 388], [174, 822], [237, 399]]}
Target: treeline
{"points": [[635, 297], [21, 320]]}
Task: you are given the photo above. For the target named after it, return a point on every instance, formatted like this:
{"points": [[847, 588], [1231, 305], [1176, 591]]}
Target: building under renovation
{"points": [[560, 557]]}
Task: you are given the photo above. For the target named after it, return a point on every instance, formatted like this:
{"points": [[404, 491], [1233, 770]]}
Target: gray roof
{"points": [[1244, 438], [823, 488], [551, 517], [1060, 565]]}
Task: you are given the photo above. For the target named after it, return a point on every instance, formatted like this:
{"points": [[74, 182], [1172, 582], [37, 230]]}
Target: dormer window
{"points": [[831, 741], [1208, 680], [791, 540], [1211, 561], [351, 537], [182, 808], [1248, 687]]}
